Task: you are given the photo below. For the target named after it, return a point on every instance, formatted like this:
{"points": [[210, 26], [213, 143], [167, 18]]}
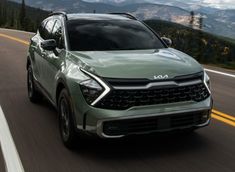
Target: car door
{"points": [[42, 55], [54, 59], [36, 51]]}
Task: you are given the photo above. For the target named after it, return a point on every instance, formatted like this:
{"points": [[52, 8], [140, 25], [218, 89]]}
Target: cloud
{"points": [[224, 4], [219, 3]]}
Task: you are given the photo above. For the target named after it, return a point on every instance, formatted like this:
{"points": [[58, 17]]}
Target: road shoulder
{"points": [[229, 71], [2, 162]]}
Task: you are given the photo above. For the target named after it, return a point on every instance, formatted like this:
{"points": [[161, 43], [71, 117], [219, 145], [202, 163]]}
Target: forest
{"points": [[20, 16]]}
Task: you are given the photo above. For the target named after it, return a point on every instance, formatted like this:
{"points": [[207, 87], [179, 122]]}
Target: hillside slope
{"points": [[206, 48]]}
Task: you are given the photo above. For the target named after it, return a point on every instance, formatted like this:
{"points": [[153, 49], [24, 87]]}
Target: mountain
{"points": [[68, 5], [141, 10], [189, 4], [225, 15], [101, 6], [221, 22], [216, 21]]}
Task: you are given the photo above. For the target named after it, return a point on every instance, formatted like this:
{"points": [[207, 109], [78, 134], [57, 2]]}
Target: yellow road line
{"points": [[227, 121], [223, 115], [15, 39], [215, 114]]}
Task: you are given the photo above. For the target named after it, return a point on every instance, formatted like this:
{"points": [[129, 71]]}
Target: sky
{"points": [[219, 3], [223, 4]]}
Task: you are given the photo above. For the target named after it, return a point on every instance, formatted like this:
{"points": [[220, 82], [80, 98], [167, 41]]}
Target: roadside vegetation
{"points": [[20, 16], [205, 47]]}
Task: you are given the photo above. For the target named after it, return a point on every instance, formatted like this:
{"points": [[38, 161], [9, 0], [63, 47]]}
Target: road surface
{"points": [[35, 131]]}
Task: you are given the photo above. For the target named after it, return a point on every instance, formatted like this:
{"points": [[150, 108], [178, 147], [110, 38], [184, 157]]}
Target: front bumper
{"points": [[148, 119], [148, 124]]}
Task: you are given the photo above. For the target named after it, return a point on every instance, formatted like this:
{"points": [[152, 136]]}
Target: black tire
{"points": [[66, 123], [33, 94]]}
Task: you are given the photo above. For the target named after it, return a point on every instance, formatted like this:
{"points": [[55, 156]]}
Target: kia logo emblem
{"points": [[160, 76]]}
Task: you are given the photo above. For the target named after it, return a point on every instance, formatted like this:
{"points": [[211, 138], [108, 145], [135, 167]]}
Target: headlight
{"points": [[207, 80], [91, 90]]}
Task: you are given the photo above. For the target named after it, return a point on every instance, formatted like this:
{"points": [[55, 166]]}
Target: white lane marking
{"points": [[10, 154], [14, 30], [221, 73]]}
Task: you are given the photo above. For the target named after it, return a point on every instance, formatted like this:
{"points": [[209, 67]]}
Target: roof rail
{"points": [[59, 13], [128, 15]]}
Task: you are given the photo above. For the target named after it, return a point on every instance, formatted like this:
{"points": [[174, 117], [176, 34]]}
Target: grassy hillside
{"points": [[14, 15], [229, 39], [206, 48]]}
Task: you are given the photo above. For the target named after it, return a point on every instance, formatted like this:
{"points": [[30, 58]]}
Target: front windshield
{"points": [[107, 35]]}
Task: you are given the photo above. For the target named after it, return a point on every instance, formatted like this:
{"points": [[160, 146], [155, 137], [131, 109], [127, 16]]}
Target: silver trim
{"points": [[204, 80], [62, 20], [159, 84], [106, 87], [100, 122]]}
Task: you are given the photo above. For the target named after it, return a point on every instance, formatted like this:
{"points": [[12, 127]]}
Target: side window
{"points": [[57, 34], [46, 32]]}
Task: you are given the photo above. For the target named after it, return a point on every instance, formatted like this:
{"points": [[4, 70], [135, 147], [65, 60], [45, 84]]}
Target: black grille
{"points": [[124, 99], [157, 123]]}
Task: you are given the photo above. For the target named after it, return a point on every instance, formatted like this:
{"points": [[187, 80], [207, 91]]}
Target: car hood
{"points": [[138, 63]]}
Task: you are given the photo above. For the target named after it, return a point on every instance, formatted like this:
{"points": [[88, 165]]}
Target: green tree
{"points": [[192, 19], [3, 12], [12, 19], [200, 22], [22, 15]]}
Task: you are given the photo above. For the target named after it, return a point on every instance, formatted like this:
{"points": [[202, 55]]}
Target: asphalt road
{"points": [[35, 131]]}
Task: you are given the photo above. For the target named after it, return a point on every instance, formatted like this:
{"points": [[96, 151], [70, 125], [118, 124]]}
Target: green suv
{"points": [[112, 76]]}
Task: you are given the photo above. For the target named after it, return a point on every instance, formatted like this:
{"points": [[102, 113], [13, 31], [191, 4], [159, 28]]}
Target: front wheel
{"points": [[66, 123]]}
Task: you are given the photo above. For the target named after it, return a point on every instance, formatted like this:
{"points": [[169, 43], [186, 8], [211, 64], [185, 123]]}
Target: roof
{"points": [[95, 16]]}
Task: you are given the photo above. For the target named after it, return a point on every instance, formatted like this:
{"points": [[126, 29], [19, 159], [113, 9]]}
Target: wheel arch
{"points": [[61, 84], [59, 87], [28, 62]]}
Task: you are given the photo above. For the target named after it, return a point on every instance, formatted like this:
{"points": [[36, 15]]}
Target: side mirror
{"points": [[49, 44], [168, 41]]}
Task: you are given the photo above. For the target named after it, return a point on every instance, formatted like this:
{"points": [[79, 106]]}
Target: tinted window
{"points": [[57, 33], [88, 35], [46, 32]]}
